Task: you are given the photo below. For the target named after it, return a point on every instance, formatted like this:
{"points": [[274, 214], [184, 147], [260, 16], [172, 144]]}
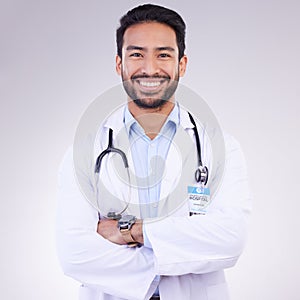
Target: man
{"points": [[175, 255]]}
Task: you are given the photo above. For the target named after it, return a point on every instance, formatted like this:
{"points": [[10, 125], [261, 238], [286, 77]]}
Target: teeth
{"points": [[149, 84]]}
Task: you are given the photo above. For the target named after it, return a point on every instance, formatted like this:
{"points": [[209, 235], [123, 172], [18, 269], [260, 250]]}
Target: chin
{"points": [[150, 103]]}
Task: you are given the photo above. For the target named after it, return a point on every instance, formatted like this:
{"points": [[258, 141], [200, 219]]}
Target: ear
{"points": [[182, 65], [118, 64]]}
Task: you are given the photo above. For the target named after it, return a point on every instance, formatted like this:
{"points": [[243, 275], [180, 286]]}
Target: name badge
{"points": [[199, 199]]}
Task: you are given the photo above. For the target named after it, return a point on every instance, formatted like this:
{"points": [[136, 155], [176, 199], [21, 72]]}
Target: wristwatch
{"points": [[125, 224]]}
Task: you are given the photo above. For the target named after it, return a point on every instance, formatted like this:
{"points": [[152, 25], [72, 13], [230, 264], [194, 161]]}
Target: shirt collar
{"points": [[129, 120]]}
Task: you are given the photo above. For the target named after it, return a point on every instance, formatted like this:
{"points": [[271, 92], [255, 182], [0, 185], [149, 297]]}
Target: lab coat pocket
{"points": [[218, 292]]}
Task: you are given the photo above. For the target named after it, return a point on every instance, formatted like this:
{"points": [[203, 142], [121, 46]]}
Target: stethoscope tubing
{"points": [[201, 173]]}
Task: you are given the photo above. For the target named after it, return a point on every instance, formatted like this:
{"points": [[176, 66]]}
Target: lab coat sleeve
{"points": [[205, 243], [89, 258]]}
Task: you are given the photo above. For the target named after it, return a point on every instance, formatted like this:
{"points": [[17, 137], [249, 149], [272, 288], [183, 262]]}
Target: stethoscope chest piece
{"points": [[201, 175]]}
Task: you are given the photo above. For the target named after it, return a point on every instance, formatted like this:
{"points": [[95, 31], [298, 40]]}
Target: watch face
{"points": [[127, 218], [126, 221]]}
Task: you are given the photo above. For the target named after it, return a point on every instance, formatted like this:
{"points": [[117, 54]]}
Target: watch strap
{"points": [[126, 234]]}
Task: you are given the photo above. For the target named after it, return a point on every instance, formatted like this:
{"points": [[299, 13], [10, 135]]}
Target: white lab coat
{"points": [[189, 253]]}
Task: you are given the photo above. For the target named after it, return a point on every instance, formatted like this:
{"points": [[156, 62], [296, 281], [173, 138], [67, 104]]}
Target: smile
{"points": [[150, 84]]}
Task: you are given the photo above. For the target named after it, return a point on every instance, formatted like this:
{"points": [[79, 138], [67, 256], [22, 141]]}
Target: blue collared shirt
{"points": [[149, 158]]}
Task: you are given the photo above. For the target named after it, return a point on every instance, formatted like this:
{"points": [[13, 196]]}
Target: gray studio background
{"points": [[57, 56]]}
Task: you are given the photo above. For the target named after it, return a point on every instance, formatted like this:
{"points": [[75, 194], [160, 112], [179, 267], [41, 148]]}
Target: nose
{"points": [[150, 66]]}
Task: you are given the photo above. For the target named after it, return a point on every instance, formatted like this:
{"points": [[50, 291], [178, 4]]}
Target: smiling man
{"points": [[150, 65], [181, 254]]}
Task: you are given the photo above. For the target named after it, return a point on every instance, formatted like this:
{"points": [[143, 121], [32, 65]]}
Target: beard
{"points": [[150, 99], [148, 103]]}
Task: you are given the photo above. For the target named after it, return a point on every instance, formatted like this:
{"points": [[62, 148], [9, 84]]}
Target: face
{"points": [[149, 67]]}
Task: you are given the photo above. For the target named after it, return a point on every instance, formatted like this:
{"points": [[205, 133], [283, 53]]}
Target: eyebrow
{"points": [[165, 49], [132, 47]]}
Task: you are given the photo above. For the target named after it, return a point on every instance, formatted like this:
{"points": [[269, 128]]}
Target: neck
{"points": [[151, 119]]}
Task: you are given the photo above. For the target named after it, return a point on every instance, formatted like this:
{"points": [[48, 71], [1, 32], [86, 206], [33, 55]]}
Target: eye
{"points": [[164, 55], [135, 54]]}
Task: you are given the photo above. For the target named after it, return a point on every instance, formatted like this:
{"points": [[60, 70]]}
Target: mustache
{"points": [[141, 76]]}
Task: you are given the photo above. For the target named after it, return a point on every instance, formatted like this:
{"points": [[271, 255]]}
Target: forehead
{"points": [[151, 34]]}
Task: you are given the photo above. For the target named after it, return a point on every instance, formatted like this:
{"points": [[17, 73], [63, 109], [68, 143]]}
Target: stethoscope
{"points": [[201, 173]]}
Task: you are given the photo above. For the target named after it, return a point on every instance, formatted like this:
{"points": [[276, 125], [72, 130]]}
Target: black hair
{"points": [[152, 13]]}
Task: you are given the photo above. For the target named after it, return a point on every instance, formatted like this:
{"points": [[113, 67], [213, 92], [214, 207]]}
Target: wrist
{"points": [[137, 231], [131, 230]]}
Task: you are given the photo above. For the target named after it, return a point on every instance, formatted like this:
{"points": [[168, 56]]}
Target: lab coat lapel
{"points": [[122, 142], [113, 172], [179, 173]]}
